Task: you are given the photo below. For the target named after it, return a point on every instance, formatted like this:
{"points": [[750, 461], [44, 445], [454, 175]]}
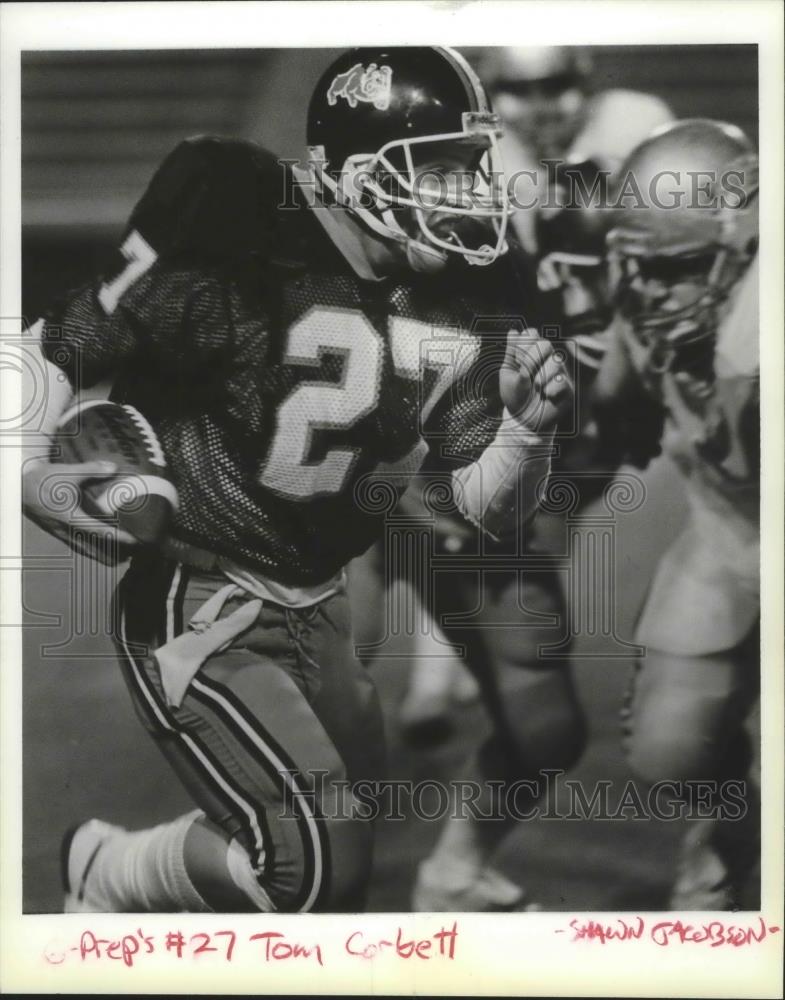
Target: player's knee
{"points": [[703, 754], [656, 756], [219, 868], [676, 740]]}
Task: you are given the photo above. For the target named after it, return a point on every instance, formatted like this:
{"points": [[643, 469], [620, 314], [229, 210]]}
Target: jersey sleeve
{"points": [[167, 292], [468, 417], [213, 198], [498, 467], [505, 297], [167, 314]]}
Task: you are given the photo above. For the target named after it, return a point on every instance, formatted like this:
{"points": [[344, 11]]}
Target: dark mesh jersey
{"points": [[277, 380]]}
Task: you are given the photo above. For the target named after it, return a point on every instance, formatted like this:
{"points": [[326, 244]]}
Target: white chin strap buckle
{"points": [[481, 256], [487, 257]]}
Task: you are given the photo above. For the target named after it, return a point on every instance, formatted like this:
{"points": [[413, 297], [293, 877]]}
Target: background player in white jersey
{"points": [[686, 335], [274, 331], [551, 111]]}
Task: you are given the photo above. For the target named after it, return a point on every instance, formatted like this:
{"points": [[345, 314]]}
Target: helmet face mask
{"points": [[419, 188], [672, 300], [662, 292]]}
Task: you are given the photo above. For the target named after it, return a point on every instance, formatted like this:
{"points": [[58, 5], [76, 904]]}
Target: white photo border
{"points": [[514, 954]]}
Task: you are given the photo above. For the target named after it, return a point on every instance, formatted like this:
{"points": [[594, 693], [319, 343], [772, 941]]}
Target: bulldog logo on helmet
{"points": [[371, 86]]}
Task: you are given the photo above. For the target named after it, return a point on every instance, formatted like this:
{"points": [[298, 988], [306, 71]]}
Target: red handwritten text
{"points": [[123, 949], [714, 933], [277, 948], [619, 930], [223, 945], [441, 943]]}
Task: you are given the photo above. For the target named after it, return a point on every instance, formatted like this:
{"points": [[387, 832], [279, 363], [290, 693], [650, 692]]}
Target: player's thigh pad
{"points": [[705, 596]]}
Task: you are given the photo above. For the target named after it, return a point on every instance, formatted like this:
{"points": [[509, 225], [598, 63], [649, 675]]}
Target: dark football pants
{"points": [[498, 622], [269, 732], [501, 621]]}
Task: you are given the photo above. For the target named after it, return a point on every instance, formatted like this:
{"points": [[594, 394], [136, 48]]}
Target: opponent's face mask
{"points": [[677, 251]]}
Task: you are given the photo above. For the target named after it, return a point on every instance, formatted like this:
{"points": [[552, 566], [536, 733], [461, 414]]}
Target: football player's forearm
{"points": [[503, 487]]}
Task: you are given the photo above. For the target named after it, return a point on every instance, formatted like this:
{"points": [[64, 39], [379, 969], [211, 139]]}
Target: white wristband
{"points": [[503, 487]]}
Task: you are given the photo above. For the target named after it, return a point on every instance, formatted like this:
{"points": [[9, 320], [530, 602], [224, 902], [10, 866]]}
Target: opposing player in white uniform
{"points": [[687, 336]]}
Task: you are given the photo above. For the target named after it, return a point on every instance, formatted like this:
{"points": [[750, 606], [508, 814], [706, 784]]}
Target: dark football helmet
{"points": [[571, 228], [687, 233], [380, 119]]}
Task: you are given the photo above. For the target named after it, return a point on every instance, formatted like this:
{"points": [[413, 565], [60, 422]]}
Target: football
{"points": [[141, 494]]}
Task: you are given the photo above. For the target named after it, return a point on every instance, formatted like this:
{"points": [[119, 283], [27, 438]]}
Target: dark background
{"points": [[94, 127]]}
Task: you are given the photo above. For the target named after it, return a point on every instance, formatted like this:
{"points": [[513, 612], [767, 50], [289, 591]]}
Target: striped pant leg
{"points": [[249, 744]]}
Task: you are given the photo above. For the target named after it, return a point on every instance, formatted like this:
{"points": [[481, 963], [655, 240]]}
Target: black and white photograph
{"points": [[386, 537]]}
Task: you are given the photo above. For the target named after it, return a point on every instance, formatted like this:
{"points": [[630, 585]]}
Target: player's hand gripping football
{"points": [[51, 496], [534, 382]]}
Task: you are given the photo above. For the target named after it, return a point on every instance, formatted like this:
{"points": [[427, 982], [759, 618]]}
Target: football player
{"points": [[500, 611], [514, 610], [686, 336], [560, 137], [546, 99], [296, 338]]}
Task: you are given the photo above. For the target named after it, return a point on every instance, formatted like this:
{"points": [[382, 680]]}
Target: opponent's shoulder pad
{"points": [[213, 197]]}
